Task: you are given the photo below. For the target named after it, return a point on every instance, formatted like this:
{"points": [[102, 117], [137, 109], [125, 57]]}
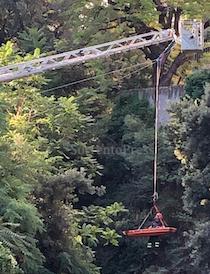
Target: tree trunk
{"points": [[180, 60]]}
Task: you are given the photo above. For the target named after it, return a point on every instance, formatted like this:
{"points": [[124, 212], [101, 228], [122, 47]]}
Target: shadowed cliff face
{"points": [[168, 95]]}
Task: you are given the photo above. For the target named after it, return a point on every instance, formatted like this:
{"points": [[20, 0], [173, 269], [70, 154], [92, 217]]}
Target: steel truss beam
{"points": [[57, 61]]}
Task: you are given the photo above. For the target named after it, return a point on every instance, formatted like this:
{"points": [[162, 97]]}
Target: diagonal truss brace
{"points": [[57, 61]]}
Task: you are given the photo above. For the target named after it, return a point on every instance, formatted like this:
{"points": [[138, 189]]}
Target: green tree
{"points": [[128, 174], [45, 151], [195, 83], [20, 161], [31, 39], [189, 132], [88, 23], [8, 263]]}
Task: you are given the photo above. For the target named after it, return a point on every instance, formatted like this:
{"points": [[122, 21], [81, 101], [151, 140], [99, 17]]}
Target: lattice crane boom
{"points": [[57, 61]]}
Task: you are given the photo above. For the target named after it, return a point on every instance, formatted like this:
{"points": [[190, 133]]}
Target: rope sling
{"points": [[165, 229], [155, 169]]}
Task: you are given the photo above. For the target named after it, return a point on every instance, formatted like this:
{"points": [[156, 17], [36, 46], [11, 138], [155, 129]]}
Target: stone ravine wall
{"points": [[167, 96]]}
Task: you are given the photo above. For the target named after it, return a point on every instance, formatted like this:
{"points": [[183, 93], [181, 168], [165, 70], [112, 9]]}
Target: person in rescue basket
{"points": [[157, 222]]}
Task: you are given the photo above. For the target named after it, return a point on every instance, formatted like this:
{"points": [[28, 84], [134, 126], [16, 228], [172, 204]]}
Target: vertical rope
{"points": [[157, 87], [158, 71]]}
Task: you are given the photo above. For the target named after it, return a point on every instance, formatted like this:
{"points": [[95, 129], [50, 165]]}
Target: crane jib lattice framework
{"points": [[191, 38]]}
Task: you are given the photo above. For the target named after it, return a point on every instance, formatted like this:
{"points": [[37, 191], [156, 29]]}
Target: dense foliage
{"points": [[76, 156], [196, 83]]}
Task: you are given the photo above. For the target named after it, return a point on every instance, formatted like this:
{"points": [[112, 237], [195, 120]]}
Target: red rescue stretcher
{"points": [[148, 232]]}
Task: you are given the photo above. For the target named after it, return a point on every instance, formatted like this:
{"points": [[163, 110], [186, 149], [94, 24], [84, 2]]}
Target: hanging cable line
{"points": [[104, 74], [158, 70], [161, 227], [159, 63]]}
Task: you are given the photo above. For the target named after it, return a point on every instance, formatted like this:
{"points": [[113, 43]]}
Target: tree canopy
{"points": [[77, 144]]}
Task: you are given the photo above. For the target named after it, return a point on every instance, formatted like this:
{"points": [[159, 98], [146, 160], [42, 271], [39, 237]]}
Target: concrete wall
{"points": [[167, 96]]}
